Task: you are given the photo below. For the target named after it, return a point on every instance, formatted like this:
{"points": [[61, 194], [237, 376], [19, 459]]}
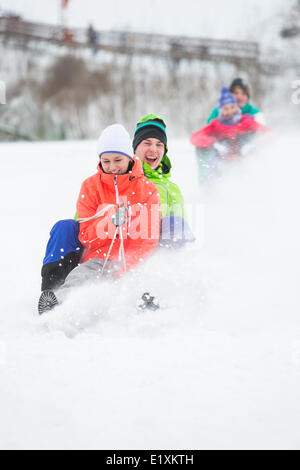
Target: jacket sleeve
{"points": [[175, 230], [214, 114], [88, 206], [176, 202], [260, 118], [256, 126], [138, 250], [204, 138]]}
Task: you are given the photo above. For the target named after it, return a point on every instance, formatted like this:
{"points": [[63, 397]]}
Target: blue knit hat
{"points": [[226, 98]]}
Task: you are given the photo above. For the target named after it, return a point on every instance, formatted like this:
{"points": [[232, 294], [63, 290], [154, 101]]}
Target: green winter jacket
{"points": [[172, 202], [247, 109]]}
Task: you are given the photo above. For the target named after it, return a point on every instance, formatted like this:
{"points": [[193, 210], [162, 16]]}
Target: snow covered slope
{"points": [[218, 366]]}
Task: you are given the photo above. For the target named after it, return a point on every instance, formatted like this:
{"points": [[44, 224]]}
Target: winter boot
{"points": [[149, 302], [47, 301]]}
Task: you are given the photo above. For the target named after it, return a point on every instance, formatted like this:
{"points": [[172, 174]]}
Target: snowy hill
{"points": [[218, 366]]}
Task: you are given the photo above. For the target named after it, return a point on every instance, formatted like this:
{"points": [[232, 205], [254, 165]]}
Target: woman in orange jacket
{"points": [[119, 214]]}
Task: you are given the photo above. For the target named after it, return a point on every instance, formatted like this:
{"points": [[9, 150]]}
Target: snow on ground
{"points": [[218, 366]]}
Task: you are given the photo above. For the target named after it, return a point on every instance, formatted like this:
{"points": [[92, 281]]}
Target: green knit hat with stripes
{"points": [[150, 126]]}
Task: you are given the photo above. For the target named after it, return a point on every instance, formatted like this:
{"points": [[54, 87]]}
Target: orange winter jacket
{"points": [[141, 231]]}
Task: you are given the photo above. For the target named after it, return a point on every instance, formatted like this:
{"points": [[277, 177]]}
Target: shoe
{"points": [[149, 302], [47, 301]]}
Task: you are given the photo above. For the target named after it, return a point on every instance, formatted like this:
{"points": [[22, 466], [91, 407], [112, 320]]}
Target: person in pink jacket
{"points": [[226, 137]]}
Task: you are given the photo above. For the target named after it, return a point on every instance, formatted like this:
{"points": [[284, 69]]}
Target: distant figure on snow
{"points": [[93, 37], [226, 137], [241, 91]]}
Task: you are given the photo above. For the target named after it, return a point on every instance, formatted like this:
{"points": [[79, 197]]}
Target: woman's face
{"points": [[240, 96], [114, 163], [229, 110], [150, 151]]}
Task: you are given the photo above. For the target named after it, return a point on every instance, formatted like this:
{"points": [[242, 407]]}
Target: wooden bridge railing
{"points": [[175, 47]]}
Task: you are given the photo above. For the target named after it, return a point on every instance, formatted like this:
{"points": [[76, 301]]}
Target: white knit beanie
{"points": [[115, 139]]}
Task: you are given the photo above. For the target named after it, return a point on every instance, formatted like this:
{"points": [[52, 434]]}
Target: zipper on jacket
{"points": [[118, 203], [119, 234], [118, 199], [116, 189], [129, 213]]}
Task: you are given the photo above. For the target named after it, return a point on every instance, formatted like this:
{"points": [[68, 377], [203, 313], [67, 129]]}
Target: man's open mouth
{"points": [[151, 160]]}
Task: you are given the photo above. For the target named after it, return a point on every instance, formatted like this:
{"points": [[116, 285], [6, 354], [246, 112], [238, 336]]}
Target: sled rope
{"points": [[108, 254], [118, 230], [98, 214]]}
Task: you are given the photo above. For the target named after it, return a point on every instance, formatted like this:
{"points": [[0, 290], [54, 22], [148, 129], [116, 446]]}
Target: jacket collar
{"points": [[162, 171], [122, 180]]}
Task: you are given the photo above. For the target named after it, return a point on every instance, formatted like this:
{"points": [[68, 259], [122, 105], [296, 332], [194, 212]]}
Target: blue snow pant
{"points": [[63, 253]]}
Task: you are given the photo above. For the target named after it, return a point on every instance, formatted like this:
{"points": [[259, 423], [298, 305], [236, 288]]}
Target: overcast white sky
{"points": [[213, 18]]}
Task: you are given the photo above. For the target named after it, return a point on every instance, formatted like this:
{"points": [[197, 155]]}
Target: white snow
{"points": [[218, 366]]}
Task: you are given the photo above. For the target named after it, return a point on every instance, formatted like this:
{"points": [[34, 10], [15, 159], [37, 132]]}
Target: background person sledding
{"points": [[240, 89], [227, 137]]}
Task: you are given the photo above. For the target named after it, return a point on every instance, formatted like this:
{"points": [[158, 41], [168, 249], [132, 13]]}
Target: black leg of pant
{"points": [[54, 274]]}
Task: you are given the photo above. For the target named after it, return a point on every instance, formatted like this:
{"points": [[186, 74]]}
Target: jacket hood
{"points": [[167, 163]]}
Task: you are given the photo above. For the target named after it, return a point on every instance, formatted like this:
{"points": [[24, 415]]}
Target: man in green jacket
{"points": [[241, 91], [150, 145]]}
